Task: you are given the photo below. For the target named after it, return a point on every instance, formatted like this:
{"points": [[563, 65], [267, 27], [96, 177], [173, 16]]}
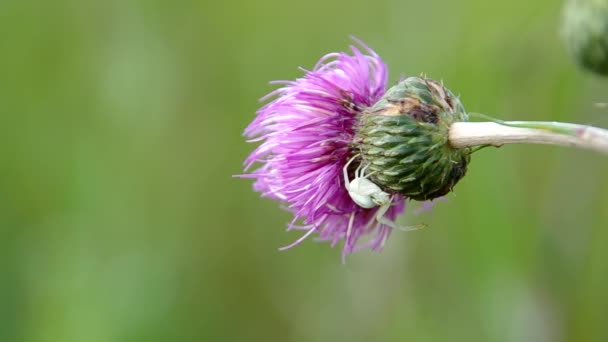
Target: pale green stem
{"points": [[498, 133]]}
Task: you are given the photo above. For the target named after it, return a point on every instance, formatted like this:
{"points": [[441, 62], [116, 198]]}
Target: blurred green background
{"points": [[120, 131]]}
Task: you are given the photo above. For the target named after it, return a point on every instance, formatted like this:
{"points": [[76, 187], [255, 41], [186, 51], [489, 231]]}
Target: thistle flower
{"points": [[307, 132], [343, 154], [585, 29]]}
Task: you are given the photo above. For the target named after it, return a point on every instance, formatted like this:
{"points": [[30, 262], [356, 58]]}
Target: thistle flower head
{"points": [[334, 148], [585, 29], [307, 131]]}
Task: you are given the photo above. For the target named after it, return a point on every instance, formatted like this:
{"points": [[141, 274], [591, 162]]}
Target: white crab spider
{"points": [[369, 195]]}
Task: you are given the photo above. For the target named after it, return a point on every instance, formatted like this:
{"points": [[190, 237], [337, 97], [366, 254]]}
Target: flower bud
{"points": [[585, 29], [404, 140]]}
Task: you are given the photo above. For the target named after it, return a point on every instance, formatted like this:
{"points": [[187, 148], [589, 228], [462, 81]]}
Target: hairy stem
{"points": [[469, 134]]}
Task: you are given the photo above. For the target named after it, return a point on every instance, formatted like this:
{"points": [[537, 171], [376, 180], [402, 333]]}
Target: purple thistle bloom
{"points": [[307, 134]]}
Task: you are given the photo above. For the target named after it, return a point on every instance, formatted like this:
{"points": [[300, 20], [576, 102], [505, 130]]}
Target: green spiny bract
{"points": [[585, 29], [404, 140]]}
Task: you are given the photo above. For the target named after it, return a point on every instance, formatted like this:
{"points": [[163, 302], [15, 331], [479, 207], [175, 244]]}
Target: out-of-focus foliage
{"points": [[121, 125]]}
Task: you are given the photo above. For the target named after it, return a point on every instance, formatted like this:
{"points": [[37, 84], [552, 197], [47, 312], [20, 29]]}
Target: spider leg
{"points": [[358, 171], [383, 220], [345, 171], [363, 171]]}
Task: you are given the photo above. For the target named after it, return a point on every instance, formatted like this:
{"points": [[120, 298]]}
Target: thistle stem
{"points": [[469, 134]]}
